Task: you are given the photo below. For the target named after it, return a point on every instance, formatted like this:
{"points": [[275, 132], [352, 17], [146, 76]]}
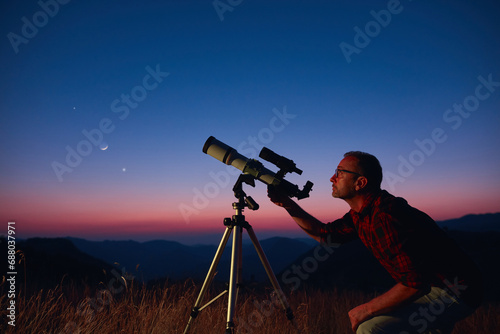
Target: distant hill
{"points": [[166, 259], [473, 223], [45, 263]]}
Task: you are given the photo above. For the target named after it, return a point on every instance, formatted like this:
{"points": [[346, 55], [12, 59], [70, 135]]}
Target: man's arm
{"points": [[396, 297]]}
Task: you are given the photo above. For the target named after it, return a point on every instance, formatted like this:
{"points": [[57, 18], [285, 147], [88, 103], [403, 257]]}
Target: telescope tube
{"points": [[230, 156]]}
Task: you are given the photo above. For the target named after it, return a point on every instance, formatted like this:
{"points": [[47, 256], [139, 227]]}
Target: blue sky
{"points": [[421, 92]]}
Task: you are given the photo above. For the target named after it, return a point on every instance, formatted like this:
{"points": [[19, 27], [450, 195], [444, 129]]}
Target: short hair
{"points": [[370, 168]]}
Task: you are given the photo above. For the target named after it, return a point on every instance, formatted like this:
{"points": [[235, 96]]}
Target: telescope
{"points": [[256, 169], [252, 169]]}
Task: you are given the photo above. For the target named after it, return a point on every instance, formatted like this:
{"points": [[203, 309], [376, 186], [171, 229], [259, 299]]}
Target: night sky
{"points": [[106, 106]]}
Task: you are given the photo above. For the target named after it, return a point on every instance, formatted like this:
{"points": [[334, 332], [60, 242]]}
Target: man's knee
{"points": [[382, 325], [367, 327]]}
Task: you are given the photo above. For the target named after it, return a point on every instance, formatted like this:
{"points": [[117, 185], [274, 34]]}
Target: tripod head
{"points": [[243, 199]]}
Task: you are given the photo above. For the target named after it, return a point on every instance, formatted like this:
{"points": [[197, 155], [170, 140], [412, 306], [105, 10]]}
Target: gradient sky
{"points": [[416, 83]]}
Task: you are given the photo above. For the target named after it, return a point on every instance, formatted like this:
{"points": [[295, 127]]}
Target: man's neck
{"points": [[358, 202]]}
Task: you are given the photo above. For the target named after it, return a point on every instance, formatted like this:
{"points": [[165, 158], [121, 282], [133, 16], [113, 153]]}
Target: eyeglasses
{"points": [[344, 171]]}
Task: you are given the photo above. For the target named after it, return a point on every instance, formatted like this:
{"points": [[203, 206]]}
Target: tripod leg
{"points": [[209, 277], [234, 277], [271, 276]]}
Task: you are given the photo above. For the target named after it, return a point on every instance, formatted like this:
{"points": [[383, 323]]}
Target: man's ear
{"points": [[361, 183]]}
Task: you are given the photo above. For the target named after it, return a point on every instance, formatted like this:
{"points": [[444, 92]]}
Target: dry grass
{"points": [[166, 309]]}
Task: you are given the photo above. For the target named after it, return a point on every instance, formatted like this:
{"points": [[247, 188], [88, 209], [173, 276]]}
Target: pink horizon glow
{"points": [[129, 215]]}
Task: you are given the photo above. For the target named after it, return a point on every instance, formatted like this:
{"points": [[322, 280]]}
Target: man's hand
{"points": [[398, 296], [279, 198], [358, 315]]}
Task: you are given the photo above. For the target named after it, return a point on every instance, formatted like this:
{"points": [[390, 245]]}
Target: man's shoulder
{"points": [[399, 208], [390, 205], [385, 200]]}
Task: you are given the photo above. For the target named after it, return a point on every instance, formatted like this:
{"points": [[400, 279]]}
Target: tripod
{"points": [[237, 223]]}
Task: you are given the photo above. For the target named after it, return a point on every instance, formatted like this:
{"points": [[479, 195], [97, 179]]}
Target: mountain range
{"points": [[158, 259], [296, 262]]}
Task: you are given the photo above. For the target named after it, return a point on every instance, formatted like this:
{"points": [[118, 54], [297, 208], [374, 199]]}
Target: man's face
{"points": [[343, 186]]}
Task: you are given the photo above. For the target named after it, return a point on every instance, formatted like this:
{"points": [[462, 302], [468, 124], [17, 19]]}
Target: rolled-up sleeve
{"points": [[339, 231]]}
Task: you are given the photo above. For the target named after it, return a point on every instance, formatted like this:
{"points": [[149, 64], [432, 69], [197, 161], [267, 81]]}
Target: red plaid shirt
{"points": [[408, 244]]}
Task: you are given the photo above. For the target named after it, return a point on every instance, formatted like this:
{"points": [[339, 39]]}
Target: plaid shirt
{"points": [[408, 244]]}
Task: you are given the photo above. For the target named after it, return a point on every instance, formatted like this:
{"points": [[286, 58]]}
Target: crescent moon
{"points": [[103, 147]]}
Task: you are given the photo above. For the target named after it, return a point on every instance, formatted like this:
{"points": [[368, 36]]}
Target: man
{"points": [[436, 282]]}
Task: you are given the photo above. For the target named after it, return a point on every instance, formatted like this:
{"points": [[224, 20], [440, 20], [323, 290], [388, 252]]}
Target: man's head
{"points": [[358, 172]]}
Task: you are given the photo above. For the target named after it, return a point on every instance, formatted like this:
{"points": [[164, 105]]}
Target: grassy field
{"points": [[166, 309]]}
